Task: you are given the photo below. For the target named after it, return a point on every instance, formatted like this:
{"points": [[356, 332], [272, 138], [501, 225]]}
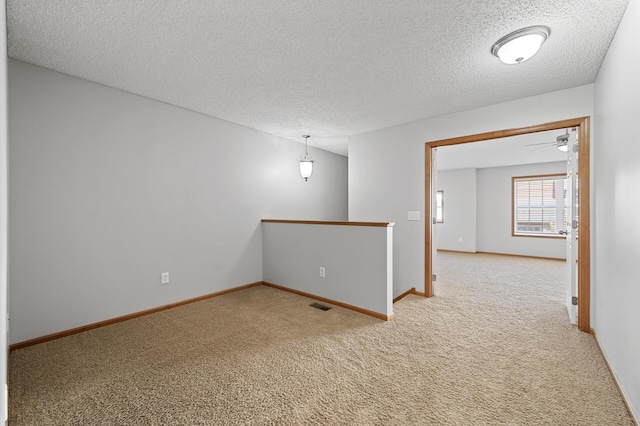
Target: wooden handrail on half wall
{"points": [[330, 222], [347, 262]]}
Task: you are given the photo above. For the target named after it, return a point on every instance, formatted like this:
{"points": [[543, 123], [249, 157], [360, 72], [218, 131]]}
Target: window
{"points": [[440, 206], [539, 205]]}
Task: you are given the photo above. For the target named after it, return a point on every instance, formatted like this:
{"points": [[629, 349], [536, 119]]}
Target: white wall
{"points": [[358, 262], [616, 319], [459, 188], [108, 190], [3, 214], [386, 167], [495, 211], [478, 209]]}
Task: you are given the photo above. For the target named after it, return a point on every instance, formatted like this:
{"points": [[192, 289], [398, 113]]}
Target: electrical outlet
{"points": [[164, 278], [322, 272], [459, 239]]}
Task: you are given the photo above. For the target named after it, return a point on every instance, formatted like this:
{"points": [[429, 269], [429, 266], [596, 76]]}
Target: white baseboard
{"points": [[625, 399]]}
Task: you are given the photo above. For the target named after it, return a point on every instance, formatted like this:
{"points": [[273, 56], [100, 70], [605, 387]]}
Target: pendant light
{"points": [[306, 162], [520, 45]]}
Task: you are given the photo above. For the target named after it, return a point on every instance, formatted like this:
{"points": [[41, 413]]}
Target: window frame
{"points": [[514, 179], [440, 191]]}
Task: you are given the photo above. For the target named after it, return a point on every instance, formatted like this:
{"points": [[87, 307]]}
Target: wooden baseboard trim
{"points": [[412, 290], [333, 302], [408, 292], [99, 324], [457, 251], [615, 379], [522, 255]]}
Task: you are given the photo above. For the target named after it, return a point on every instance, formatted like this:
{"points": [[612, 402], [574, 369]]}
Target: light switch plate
{"points": [[413, 215]]}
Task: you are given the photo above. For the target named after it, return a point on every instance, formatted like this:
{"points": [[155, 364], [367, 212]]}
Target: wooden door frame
{"points": [[584, 212]]}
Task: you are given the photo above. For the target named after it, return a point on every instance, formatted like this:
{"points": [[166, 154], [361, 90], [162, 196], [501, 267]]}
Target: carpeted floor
{"points": [[494, 347]]}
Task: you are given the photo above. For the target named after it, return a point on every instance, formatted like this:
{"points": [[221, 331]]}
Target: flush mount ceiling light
{"points": [[520, 45], [306, 162]]}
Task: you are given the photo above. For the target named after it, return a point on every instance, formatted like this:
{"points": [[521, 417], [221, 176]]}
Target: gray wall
{"points": [[478, 209], [107, 190], [495, 211], [617, 203], [358, 262], [386, 167], [459, 188]]}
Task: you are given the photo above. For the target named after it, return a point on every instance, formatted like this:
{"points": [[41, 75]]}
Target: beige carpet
{"points": [[494, 347]]}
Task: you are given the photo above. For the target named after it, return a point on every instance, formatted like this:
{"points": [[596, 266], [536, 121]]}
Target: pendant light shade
{"points": [[306, 162], [520, 45]]}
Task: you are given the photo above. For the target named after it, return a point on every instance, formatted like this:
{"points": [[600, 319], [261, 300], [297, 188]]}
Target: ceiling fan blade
{"points": [[540, 143], [544, 147]]}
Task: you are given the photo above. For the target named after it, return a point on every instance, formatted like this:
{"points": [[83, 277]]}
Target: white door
{"points": [[433, 218], [571, 226]]}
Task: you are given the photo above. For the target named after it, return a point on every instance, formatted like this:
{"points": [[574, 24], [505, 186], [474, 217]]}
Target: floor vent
{"points": [[319, 306]]}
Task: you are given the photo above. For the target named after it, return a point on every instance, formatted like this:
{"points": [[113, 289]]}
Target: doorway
{"points": [[582, 124]]}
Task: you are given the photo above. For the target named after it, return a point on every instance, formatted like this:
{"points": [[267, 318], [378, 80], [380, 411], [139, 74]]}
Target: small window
{"points": [[440, 206], [539, 205]]}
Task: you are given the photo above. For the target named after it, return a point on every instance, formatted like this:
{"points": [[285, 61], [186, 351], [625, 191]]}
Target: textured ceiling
{"points": [[328, 68]]}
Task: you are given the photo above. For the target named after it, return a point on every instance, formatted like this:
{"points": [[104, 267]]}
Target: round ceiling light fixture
{"points": [[520, 45]]}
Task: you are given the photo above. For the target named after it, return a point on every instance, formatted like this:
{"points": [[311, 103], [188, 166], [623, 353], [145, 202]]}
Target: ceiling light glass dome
{"points": [[520, 45]]}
